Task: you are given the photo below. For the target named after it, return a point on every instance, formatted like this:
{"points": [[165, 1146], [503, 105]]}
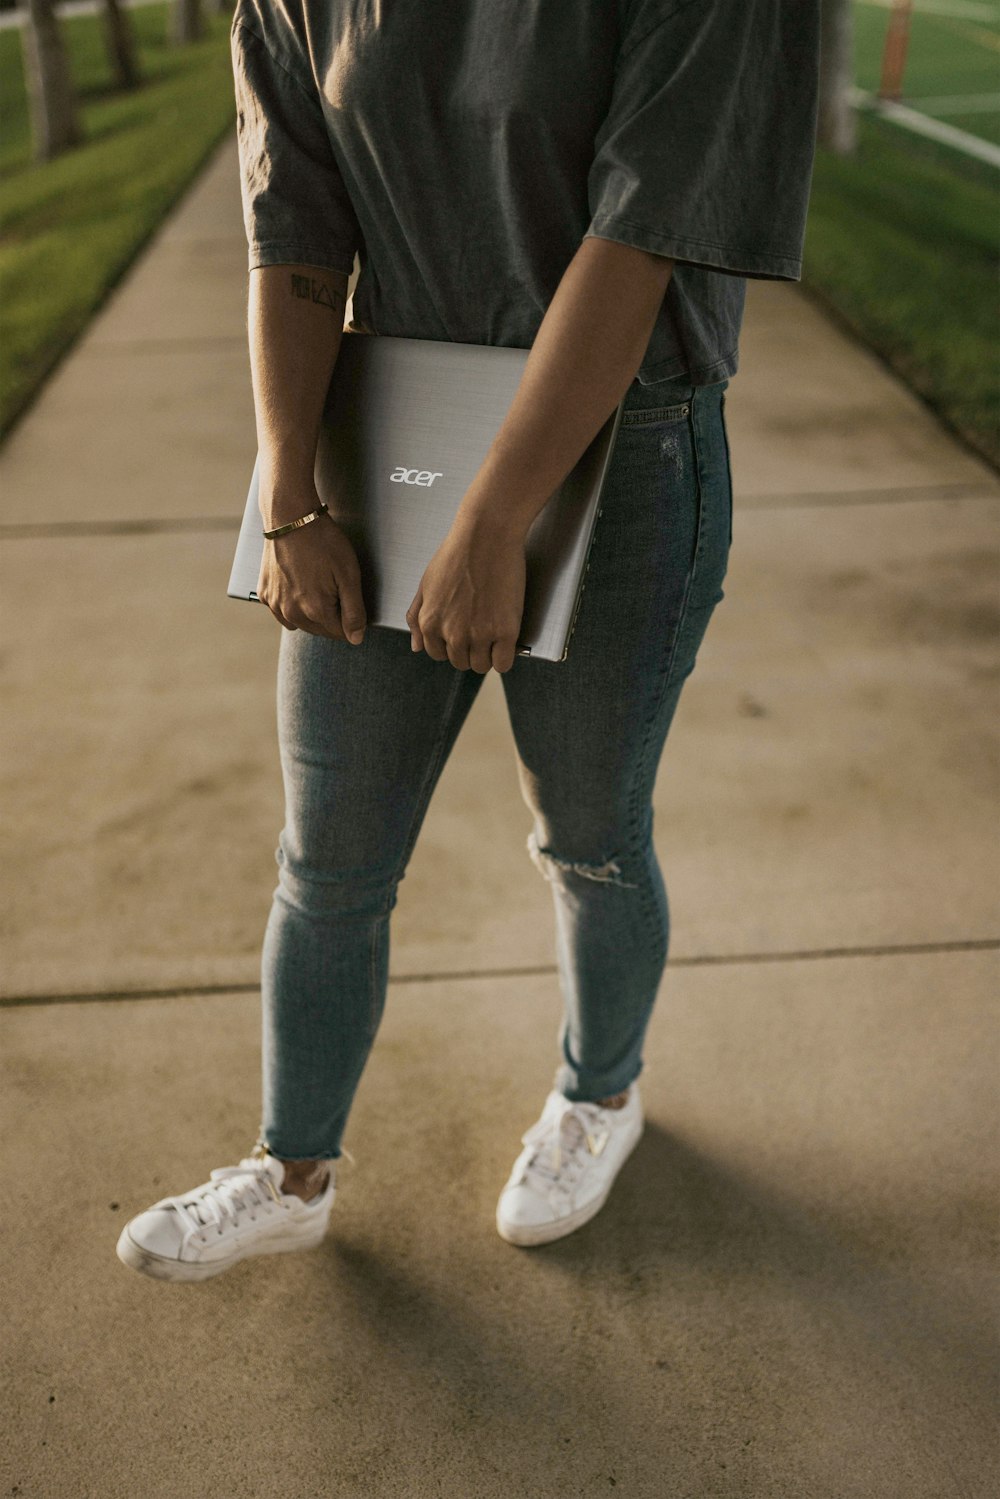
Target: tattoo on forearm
{"points": [[315, 289]]}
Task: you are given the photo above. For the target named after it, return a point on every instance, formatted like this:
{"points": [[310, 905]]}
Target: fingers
{"points": [[439, 650], [280, 617], [503, 655], [469, 652], [496, 654], [480, 655], [347, 583], [295, 617], [322, 614], [326, 623], [319, 594], [417, 642], [328, 615]]}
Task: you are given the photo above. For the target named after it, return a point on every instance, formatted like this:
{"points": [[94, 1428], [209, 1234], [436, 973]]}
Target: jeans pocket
{"points": [[714, 503], [655, 416], [729, 466]]}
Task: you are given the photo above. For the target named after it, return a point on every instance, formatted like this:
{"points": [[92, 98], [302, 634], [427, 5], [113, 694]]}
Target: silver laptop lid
{"points": [[405, 429]]}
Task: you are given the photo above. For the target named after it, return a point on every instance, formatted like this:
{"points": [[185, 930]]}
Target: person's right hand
{"points": [[310, 579]]}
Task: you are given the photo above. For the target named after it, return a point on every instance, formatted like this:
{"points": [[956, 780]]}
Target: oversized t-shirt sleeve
{"points": [[706, 152], [296, 209]]}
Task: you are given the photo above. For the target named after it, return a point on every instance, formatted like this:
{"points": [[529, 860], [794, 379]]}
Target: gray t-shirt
{"points": [[465, 148]]}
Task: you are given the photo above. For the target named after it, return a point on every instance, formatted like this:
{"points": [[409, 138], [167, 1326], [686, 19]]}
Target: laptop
{"points": [[405, 428]]}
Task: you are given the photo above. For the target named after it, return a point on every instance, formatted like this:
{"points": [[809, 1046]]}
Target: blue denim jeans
{"points": [[364, 733]]}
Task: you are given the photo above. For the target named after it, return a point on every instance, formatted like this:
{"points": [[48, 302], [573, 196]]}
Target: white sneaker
{"points": [[567, 1167], [241, 1211]]}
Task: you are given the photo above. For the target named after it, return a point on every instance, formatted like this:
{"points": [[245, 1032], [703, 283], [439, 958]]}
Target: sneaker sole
{"points": [[136, 1258], [527, 1235]]}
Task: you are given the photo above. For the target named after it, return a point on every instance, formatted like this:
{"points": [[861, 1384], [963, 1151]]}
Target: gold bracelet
{"points": [[293, 525]]}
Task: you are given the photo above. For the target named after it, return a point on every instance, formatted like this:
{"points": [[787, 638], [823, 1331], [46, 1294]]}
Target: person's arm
{"points": [[302, 236], [591, 341], [585, 355], [295, 319], [309, 578]]}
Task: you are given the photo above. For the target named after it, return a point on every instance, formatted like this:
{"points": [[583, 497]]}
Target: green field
{"points": [[948, 57], [903, 240], [902, 244]]}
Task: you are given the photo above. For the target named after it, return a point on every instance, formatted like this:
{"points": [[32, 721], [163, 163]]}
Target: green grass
{"points": [[70, 227], [903, 239], [905, 248]]}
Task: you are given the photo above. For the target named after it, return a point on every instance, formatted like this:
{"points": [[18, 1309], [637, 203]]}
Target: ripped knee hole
{"points": [[608, 873]]}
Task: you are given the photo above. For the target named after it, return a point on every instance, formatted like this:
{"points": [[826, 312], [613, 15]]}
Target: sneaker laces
{"points": [[561, 1140], [232, 1190]]}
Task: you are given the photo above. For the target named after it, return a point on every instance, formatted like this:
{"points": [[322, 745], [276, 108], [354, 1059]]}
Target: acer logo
{"points": [[414, 476]]}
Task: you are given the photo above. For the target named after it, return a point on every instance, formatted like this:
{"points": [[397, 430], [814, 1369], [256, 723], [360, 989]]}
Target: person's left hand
{"points": [[468, 607]]}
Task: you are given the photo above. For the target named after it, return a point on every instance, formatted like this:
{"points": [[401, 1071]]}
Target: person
{"points": [[593, 182]]}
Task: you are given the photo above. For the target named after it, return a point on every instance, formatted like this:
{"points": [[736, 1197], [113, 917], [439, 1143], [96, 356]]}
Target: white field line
{"points": [[957, 104], [921, 124]]}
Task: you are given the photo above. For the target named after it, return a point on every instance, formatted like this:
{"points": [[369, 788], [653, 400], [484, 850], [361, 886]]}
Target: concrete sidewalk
{"points": [[789, 1292]]}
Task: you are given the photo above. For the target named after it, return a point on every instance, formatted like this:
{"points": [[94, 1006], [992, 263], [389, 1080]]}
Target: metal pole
{"points": [[894, 54]]}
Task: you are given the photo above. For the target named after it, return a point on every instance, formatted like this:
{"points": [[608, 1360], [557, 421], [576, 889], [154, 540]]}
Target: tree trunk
{"points": [[55, 117], [119, 41], [836, 126], [186, 22]]}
